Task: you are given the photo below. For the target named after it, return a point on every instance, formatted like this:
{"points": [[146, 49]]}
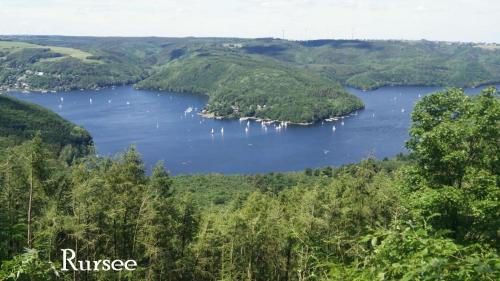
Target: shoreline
{"points": [[211, 115]]}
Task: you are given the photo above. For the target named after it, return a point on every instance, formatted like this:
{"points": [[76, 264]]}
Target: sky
{"points": [[444, 20]]}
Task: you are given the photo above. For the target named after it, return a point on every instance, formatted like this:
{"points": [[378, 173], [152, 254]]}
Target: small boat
{"points": [[90, 101], [188, 110], [212, 132], [62, 99], [342, 123], [402, 110], [333, 128], [246, 130], [222, 130]]}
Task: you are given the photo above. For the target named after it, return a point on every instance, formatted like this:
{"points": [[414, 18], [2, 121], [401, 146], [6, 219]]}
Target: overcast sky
{"points": [[449, 20]]}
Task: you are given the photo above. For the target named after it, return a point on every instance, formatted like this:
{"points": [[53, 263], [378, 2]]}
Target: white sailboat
{"points": [[333, 128], [90, 101], [222, 130], [212, 132]]}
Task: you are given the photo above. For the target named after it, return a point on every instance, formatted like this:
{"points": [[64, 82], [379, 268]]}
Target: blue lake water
{"points": [[158, 124]]}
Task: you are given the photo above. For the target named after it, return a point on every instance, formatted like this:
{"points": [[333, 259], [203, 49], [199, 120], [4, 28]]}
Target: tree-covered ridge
{"points": [[20, 121], [376, 220], [370, 64], [248, 86]]}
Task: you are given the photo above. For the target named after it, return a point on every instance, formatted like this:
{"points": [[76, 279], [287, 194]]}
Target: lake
{"points": [[163, 127]]}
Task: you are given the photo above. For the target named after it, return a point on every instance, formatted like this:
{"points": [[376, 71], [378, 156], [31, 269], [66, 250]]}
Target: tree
{"points": [[455, 139], [452, 132]]}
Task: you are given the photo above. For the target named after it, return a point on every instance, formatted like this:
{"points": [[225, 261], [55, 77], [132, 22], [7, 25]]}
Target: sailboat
{"points": [[90, 101], [333, 128], [222, 130], [212, 132]]}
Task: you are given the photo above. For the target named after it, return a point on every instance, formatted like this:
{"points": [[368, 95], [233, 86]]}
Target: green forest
{"points": [[296, 81], [240, 86], [20, 121], [433, 214]]}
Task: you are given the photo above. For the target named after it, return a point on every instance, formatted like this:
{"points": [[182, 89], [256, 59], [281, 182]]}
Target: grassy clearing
{"points": [[67, 52]]}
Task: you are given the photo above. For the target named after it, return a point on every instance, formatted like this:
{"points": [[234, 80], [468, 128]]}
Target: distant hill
{"points": [[242, 75], [19, 121]]}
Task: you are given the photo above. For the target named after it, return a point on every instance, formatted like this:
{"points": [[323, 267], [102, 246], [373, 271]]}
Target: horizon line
{"points": [[250, 38]]}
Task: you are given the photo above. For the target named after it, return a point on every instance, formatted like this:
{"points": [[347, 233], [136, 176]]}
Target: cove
{"points": [[166, 126]]}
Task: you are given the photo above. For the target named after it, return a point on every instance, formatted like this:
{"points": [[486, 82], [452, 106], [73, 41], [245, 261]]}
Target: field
{"points": [[66, 52]]}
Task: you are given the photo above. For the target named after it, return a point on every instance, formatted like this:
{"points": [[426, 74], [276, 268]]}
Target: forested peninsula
{"points": [[429, 215], [294, 81]]}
